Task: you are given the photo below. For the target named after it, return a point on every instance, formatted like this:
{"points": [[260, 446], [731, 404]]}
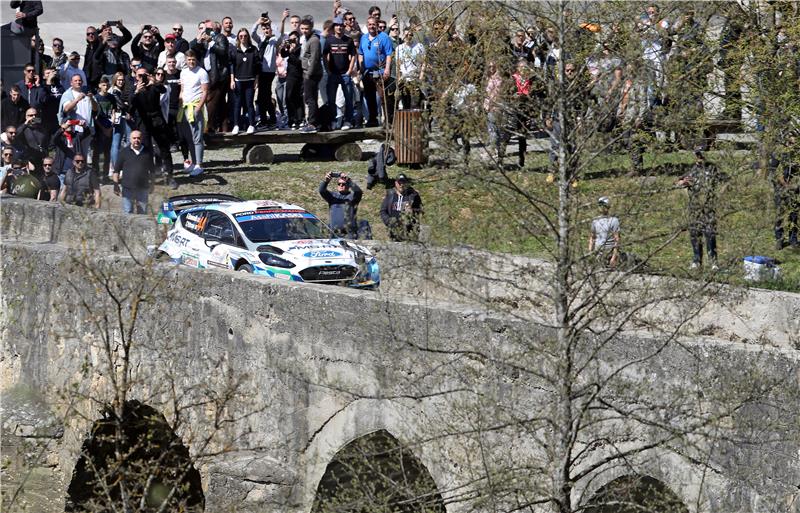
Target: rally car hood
{"points": [[318, 249]]}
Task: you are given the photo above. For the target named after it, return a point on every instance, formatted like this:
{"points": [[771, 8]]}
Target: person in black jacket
{"points": [[12, 109], [212, 47], [68, 144], [32, 138], [49, 110], [31, 87], [28, 14], [109, 56], [290, 50], [343, 204], [136, 165], [146, 46], [89, 63], [151, 122], [401, 209], [245, 65]]}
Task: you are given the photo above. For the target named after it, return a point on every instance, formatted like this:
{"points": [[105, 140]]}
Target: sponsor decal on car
{"points": [[276, 215], [177, 239], [322, 254], [190, 260], [310, 245]]}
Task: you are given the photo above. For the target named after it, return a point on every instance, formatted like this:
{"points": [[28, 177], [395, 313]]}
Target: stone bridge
{"points": [[434, 362]]}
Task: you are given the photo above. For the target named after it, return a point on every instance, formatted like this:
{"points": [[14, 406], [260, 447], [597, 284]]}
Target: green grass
{"points": [[479, 208]]}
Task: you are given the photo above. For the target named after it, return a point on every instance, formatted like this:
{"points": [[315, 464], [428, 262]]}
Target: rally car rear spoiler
{"points": [[175, 204]]}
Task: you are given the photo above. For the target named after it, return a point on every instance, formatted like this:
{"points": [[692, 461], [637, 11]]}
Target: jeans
{"points": [[215, 105], [280, 94], [346, 81], [787, 205], [134, 198], [294, 100], [707, 230], [121, 131], [195, 130], [265, 106], [310, 96], [243, 96]]}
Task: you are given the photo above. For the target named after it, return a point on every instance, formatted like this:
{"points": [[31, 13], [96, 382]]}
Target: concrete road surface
{"points": [[68, 19]]}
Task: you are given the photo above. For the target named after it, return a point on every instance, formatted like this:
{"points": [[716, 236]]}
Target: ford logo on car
{"points": [[322, 254]]}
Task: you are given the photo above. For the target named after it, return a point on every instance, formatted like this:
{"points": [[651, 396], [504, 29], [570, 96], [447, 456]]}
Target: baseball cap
{"points": [[74, 54], [338, 21], [603, 200], [169, 36], [402, 178]]}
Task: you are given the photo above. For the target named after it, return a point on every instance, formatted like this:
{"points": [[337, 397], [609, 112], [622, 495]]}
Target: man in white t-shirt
{"points": [[171, 44], [605, 234], [194, 92], [411, 67]]}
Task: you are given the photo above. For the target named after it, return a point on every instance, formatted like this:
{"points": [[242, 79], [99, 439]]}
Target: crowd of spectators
{"points": [[296, 74], [172, 90]]}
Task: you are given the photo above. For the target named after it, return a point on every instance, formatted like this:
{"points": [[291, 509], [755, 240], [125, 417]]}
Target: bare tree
{"points": [[596, 384], [154, 409]]}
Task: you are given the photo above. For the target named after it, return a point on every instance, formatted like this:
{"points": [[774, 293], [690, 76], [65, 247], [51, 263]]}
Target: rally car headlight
{"points": [[274, 261]]}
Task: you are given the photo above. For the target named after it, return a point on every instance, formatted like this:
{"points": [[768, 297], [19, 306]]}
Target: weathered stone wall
{"points": [[508, 284], [321, 366]]}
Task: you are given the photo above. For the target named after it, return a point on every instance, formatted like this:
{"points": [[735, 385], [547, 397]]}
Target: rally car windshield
{"points": [[295, 228]]}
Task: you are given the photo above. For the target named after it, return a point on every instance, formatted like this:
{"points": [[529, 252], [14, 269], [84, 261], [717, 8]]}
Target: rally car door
{"points": [[220, 240], [190, 239]]}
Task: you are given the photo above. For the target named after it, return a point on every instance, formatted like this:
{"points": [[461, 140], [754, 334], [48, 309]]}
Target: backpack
{"points": [[25, 186]]}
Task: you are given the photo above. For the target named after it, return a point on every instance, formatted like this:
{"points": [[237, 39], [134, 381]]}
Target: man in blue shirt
{"points": [[375, 59]]}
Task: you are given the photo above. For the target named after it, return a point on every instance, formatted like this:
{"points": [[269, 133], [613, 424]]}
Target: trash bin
{"points": [[409, 136]]}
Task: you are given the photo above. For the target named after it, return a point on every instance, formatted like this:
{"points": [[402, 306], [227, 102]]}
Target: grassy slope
{"points": [[465, 209]]}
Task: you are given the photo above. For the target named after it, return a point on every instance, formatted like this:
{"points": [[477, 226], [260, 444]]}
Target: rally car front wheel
{"points": [[247, 268]]}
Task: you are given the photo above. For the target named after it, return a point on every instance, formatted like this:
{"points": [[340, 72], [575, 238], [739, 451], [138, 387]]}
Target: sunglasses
{"points": [[56, 45], [146, 37], [177, 29], [91, 33], [47, 165], [8, 154], [78, 161]]}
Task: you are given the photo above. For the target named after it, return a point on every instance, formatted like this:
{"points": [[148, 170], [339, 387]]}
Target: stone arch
{"points": [[153, 462], [635, 494], [376, 473]]}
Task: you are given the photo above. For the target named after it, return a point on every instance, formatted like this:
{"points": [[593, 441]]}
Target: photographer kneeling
{"points": [[343, 204]]}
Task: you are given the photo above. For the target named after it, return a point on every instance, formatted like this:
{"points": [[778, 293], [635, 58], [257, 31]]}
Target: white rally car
{"points": [[269, 238]]}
